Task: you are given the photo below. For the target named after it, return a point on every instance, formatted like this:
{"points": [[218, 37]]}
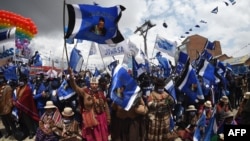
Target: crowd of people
{"points": [[78, 107]]}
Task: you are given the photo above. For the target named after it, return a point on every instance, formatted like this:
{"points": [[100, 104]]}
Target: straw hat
{"points": [[67, 112], [208, 104], [49, 104], [247, 95], [228, 114], [224, 99], [191, 108], [221, 136]]}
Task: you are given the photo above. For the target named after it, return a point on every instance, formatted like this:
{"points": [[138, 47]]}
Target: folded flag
{"points": [[94, 23], [124, 88]]}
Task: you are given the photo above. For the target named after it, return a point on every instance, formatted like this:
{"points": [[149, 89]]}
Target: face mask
{"points": [[192, 113], [160, 90], [21, 83]]}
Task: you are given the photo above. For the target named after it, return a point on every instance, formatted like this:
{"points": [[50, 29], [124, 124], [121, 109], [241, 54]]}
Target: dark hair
{"points": [[101, 19]]}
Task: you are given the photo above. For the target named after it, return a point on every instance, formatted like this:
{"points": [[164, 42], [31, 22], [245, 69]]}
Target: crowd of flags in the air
{"points": [[213, 11], [83, 17]]}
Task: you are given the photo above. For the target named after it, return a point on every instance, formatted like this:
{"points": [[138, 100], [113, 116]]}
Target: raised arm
{"points": [[73, 84]]}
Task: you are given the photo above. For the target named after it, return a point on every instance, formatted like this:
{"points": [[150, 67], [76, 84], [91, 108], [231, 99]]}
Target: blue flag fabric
{"points": [[65, 91], [7, 33], [76, 59], [209, 45], [206, 70], [122, 79], [85, 22], [181, 62], [164, 63], [170, 87], [189, 84], [10, 73], [166, 46], [97, 72], [211, 129], [38, 60]]}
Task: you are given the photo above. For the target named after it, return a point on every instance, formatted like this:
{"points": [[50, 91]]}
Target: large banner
{"points": [[108, 50]]}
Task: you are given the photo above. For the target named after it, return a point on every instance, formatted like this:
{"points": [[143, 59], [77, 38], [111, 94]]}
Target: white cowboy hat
{"points": [[224, 99], [49, 104], [191, 108], [208, 104], [67, 112]]}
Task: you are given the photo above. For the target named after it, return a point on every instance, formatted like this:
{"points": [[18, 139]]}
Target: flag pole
{"points": [[65, 48], [154, 46], [88, 56], [102, 59]]}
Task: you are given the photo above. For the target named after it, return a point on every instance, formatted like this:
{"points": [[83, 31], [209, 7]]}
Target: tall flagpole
{"points": [[102, 59], [65, 47], [154, 46], [88, 56]]}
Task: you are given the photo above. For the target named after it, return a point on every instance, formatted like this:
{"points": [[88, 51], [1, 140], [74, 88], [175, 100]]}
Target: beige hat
{"points": [[224, 99], [208, 104], [94, 80], [247, 95], [49, 104], [228, 114], [191, 108], [67, 112], [221, 136]]}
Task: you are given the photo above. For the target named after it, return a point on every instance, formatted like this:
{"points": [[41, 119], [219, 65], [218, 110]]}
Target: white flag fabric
{"points": [[132, 51], [112, 50], [92, 50], [165, 46]]}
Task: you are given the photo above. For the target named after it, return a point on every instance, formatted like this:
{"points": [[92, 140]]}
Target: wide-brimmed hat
{"points": [[191, 108], [67, 112], [224, 99], [49, 104], [208, 104], [247, 95], [228, 114]]}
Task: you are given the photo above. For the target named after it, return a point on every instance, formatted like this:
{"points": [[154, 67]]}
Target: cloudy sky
{"points": [[230, 26]]}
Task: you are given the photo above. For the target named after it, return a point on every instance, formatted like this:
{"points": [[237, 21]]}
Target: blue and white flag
{"points": [[76, 59], [211, 129], [96, 73], [170, 87], [209, 45], [181, 62], [7, 33], [189, 84], [165, 45], [10, 73], [132, 51], [65, 91], [94, 23], [108, 50], [121, 79], [37, 61], [92, 50], [206, 70], [164, 64]]}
